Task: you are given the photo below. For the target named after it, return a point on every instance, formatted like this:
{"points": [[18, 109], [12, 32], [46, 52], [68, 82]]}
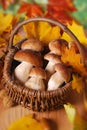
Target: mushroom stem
{"points": [[22, 71], [55, 81], [61, 75], [50, 68], [35, 83]]}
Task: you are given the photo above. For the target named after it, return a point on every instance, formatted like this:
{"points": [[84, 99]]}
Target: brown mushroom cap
{"points": [[32, 44], [63, 70], [57, 45], [52, 57], [38, 72], [29, 56]]}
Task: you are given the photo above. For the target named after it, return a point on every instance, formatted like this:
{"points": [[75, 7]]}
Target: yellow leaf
{"points": [[78, 31], [17, 38], [2, 42], [50, 34], [77, 83], [25, 123], [73, 59], [43, 31], [5, 23]]}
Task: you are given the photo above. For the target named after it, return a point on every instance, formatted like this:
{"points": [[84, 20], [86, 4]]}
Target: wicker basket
{"points": [[35, 100]]}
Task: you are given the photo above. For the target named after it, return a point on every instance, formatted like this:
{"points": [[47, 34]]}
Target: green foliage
{"points": [[12, 9], [81, 14]]}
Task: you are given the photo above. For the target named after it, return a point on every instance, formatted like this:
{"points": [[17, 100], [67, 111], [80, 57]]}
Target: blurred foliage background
{"points": [[80, 14]]}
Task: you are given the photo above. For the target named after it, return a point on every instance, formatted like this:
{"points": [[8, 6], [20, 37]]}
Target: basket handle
{"points": [[63, 27]]}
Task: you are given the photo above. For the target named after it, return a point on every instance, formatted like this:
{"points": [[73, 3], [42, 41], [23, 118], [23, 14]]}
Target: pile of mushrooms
{"points": [[31, 71]]}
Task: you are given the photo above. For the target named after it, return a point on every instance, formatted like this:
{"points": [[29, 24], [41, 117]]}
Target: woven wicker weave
{"points": [[35, 100]]}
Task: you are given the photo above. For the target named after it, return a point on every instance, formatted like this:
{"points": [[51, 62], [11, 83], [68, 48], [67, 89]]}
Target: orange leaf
{"points": [[31, 10]]}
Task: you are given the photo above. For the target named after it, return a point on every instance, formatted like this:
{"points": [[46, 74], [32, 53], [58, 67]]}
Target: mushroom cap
{"points": [[52, 58], [63, 70], [29, 56], [57, 45], [32, 44], [38, 72]]}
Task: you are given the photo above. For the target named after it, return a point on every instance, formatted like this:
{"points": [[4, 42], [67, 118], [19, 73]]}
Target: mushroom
{"points": [[32, 44], [62, 75], [74, 46], [53, 59], [36, 80], [28, 59], [57, 46]]}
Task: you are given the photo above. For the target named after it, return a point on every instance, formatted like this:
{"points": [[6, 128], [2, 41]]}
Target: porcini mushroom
{"points": [[56, 46], [36, 80], [28, 59], [53, 59], [62, 75], [32, 44]]}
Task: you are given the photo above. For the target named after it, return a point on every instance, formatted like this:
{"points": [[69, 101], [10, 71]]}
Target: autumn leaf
{"points": [[71, 58], [24, 123], [4, 25], [60, 10], [7, 23], [17, 38], [3, 42], [31, 10], [78, 31], [66, 5], [60, 15], [42, 31], [77, 83], [30, 123]]}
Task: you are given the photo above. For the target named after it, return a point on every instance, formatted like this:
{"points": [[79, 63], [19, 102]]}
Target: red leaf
{"points": [[31, 10], [61, 16], [62, 5], [60, 9]]}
